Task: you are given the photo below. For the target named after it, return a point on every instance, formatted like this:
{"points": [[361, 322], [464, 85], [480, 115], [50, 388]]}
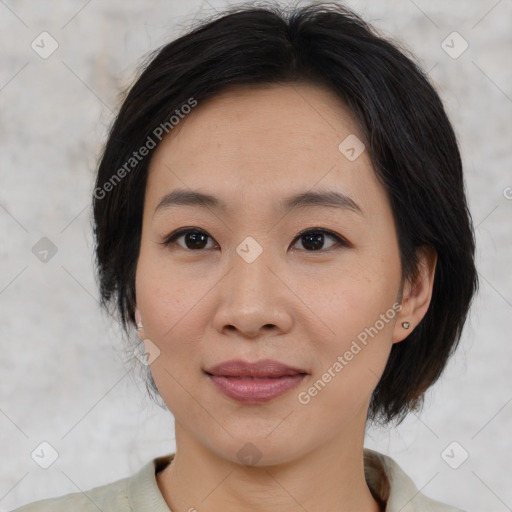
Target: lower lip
{"points": [[255, 391]]}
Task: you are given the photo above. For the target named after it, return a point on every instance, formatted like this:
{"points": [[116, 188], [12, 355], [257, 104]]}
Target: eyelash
{"points": [[340, 241]]}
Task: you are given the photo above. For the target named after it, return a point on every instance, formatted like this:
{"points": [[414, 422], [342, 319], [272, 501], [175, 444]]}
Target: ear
{"points": [[416, 294], [138, 320]]}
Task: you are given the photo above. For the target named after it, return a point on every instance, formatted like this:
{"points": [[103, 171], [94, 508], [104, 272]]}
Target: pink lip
{"points": [[255, 383]]}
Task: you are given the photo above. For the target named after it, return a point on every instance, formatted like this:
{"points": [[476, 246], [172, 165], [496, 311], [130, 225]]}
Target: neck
{"points": [[330, 478]]}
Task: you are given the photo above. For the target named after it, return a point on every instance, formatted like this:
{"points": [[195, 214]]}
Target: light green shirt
{"points": [[140, 492]]}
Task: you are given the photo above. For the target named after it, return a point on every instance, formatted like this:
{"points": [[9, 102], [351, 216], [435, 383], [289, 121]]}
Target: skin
{"points": [[251, 148]]}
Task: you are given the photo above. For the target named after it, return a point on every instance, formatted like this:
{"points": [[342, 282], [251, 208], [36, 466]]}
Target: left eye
{"points": [[314, 239], [193, 239]]}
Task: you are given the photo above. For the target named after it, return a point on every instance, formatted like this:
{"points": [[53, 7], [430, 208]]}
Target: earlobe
{"points": [[140, 326], [416, 294]]}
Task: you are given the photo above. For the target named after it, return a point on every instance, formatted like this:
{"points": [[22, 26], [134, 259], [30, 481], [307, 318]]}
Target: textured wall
{"points": [[63, 379]]}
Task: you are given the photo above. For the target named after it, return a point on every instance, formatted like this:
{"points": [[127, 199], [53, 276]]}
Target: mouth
{"points": [[255, 383]]}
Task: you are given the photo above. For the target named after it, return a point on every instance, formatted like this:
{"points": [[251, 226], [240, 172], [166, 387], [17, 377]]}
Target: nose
{"points": [[252, 300]]}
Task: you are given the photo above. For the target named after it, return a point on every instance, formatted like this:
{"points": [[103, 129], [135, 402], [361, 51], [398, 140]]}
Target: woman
{"points": [[280, 213]]}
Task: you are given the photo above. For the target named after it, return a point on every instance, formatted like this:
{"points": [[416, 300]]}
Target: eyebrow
{"points": [[323, 198]]}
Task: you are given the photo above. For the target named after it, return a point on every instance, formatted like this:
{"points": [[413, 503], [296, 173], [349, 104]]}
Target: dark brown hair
{"points": [[410, 141]]}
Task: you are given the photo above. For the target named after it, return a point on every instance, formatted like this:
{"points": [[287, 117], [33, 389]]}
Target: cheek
{"points": [[352, 296], [352, 333], [348, 364], [167, 308], [173, 306], [167, 295]]}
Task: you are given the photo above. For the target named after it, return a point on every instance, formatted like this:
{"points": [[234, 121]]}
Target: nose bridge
{"points": [[252, 297], [251, 276]]}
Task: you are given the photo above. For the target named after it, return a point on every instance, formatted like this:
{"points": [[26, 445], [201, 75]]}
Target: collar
{"points": [[386, 479]]}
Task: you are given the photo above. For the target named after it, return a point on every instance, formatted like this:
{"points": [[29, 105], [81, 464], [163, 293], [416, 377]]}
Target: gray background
{"points": [[64, 379]]}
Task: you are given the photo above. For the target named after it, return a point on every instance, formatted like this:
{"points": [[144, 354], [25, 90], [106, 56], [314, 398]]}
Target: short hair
{"points": [[411, 144]]}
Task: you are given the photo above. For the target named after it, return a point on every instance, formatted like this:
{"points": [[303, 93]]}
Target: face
{"points": [[261, 270]]}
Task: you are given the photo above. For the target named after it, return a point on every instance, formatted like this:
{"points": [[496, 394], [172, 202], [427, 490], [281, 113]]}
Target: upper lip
{"points": [[262, 368]]}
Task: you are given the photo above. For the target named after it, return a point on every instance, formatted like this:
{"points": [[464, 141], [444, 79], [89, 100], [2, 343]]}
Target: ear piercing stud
{"points": [[406, 325], [139, 326]]}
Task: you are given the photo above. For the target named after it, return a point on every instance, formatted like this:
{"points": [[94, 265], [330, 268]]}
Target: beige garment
{"points": [[140, 492]]}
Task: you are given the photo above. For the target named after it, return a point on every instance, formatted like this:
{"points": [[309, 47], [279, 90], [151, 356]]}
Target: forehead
{"points": [[277, 138]]}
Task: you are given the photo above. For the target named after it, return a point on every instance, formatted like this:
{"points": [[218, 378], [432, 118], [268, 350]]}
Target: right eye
{"points": [[191, 239]]}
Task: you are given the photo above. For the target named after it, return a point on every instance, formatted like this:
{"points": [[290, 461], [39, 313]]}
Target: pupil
{"points": [[197, 240], [313, 241]]}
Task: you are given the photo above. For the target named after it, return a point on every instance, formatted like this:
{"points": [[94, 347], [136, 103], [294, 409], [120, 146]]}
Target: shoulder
{"points": [[138, 493], [112, 497], [398, 491]]}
